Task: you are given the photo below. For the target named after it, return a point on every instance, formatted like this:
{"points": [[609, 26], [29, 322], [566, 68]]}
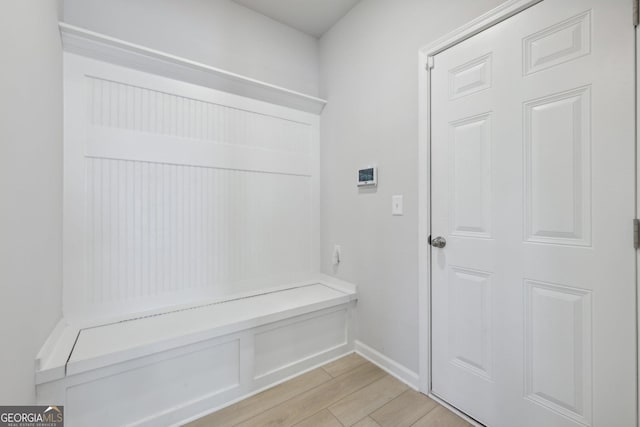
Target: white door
{"points": [[533, 296]]}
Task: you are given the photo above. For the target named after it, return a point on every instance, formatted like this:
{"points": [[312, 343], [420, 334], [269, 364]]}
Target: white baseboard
{"points": [[392, 367]]}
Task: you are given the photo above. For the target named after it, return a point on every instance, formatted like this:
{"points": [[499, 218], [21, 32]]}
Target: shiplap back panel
{"points": [[177, 193], [124, 106]]}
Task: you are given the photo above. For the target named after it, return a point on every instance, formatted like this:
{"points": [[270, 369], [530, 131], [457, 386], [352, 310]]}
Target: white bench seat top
{"points": [[109, 344]]}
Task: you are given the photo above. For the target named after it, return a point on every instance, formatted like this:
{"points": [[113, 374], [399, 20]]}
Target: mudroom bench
{"points": [[168, 368]]}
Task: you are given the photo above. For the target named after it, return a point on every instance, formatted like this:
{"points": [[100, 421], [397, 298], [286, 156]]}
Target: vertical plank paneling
{"points": [[153, 229], [143, 110]]}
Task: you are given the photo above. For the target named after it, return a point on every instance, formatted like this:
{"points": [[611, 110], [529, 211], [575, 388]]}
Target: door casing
{"points": [[426, 54]]}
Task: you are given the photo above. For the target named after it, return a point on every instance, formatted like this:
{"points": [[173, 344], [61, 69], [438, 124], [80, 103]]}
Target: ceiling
{"points": [[313, 17]]}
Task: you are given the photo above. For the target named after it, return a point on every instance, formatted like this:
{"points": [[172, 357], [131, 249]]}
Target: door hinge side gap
{"points": [[636, 12], [636, 233]]}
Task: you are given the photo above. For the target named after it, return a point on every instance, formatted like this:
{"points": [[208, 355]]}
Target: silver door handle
{"points": [[439, 242]]}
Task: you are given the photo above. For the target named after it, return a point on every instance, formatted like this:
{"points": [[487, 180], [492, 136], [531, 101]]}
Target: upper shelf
{"points": [[99, 46]]}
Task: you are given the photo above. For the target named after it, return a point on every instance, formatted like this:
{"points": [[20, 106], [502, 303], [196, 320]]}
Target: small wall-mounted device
{"points": [[368, 176]]}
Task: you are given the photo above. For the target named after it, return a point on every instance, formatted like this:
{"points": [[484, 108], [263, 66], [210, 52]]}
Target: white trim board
{"points": [[99, 46], [388, 365], [637, 91], [425, 62]]}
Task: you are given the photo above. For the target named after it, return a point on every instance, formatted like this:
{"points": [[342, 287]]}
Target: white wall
{"points": [[219, 33], [30, 189], [369, 75]]}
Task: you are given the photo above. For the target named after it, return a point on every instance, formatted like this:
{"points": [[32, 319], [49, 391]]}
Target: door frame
{"points": [[425, 62]]}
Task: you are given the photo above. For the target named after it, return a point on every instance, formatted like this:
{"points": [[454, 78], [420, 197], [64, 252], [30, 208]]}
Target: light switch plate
{"points": [[397, 207]]}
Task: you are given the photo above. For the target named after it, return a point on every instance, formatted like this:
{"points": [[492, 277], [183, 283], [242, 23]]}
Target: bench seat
{"points": [[249, 343]]}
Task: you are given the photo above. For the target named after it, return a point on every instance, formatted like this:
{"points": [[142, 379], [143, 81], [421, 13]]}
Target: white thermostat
{"points": [[368, 176]]}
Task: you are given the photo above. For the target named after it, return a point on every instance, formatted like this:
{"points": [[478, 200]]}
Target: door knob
{"points": [[438, 242]]}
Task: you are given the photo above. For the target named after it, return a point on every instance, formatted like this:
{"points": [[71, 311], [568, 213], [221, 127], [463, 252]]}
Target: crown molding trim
{"points": [[105, 48]]}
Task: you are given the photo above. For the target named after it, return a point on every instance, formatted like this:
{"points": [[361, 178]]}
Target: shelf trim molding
{"points": [[99, 46]]}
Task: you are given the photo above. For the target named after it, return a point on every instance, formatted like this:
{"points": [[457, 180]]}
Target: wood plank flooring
{"points": [[347, 392]]}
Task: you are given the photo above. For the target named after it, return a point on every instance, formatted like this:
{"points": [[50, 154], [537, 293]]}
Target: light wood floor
{"points": [[348, 392]]}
